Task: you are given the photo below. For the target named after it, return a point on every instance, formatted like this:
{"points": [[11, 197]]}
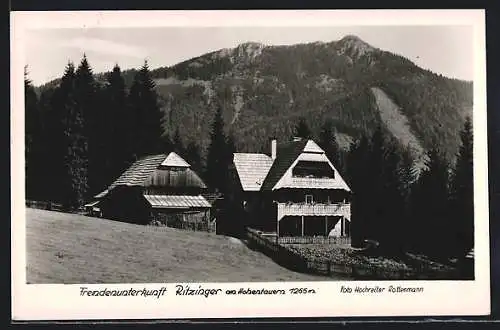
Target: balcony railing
{"points": [[314, 209]]}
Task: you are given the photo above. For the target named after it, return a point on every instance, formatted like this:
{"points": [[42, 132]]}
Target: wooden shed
{"points": [[159, 189]]}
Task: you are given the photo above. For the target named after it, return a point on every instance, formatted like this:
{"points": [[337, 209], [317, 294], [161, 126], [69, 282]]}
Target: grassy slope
{"points": [[66, 248]]}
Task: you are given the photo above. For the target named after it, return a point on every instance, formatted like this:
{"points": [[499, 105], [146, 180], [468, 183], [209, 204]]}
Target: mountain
{"points": [[264, 90]]}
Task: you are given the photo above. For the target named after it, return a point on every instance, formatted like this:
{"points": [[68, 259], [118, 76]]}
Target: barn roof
{"points": [[286, 154], [137, 174], [252, 169], [177, 201], [158, 171]]}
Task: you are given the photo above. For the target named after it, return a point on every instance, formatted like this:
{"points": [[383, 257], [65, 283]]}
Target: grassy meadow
{"points": [[70, 248]]}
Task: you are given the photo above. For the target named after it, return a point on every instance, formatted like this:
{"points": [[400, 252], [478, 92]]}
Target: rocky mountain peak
{"points": [[354, 47], [244, 52], [249, 50]]}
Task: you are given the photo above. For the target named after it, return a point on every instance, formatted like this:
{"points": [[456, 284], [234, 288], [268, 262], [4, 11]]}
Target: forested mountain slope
{"points": [[265, 89]]}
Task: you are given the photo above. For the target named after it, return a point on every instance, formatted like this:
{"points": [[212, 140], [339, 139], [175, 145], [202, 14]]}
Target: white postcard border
{"points": [[64, 302]]}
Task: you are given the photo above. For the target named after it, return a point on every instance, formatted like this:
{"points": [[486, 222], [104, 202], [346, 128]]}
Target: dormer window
{"points": [[311, 169]]}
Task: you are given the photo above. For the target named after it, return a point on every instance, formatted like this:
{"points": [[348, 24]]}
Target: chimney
{"points": [[273, 149]]}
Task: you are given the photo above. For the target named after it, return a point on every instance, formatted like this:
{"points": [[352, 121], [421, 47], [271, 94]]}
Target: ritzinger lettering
{"points": [[186, 290], [84, 291]]}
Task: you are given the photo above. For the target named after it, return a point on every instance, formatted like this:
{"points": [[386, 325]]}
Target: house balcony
{"points": [[314, 209]]}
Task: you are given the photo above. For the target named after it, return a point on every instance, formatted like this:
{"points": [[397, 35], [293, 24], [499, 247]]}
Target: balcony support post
{"points": [[302, 226], [326, 226]]}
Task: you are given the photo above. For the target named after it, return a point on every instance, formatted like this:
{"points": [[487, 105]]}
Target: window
{"points": [[310, 169], [309, 199]]}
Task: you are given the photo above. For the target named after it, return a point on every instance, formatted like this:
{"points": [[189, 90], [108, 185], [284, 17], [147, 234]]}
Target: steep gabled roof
{"points": [[137, 174], [312, 153], [252, 169], [158, 171], [287, 153], [174, 160], [258, 172]]}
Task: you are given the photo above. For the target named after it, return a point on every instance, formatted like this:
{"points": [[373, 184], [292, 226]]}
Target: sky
{"points": [[444, 49]]}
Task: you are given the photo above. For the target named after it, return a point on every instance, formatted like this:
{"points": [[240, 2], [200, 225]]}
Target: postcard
{"points": [[236, 164]]}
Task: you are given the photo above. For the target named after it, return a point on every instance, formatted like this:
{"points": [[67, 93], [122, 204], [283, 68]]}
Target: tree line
{"points": [[430, 212], [83, 133]]}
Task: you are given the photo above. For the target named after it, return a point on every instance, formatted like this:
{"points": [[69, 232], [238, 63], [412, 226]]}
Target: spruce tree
{"points": [[462, 193], [359, 180], [147, 115], [193, 157], [72, 107], [328, 142], [87, 144], [375, 202], [53, 145], [66, 138], [408, 175], [217, 154], [231, 147], [407, 171], [166, 145], [390, 223], [85, 91], [178, 145], [430, 200], [119, 123], [376, 173], [229, 153], [34, 157], [377, 154], [302, 130]]}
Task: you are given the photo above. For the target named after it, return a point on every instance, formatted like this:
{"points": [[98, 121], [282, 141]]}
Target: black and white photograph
{"points": [[340, 154]]}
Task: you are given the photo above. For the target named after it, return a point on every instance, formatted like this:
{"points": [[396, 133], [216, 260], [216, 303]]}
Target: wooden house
{"points": [[295, 192], [159, 189]]}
